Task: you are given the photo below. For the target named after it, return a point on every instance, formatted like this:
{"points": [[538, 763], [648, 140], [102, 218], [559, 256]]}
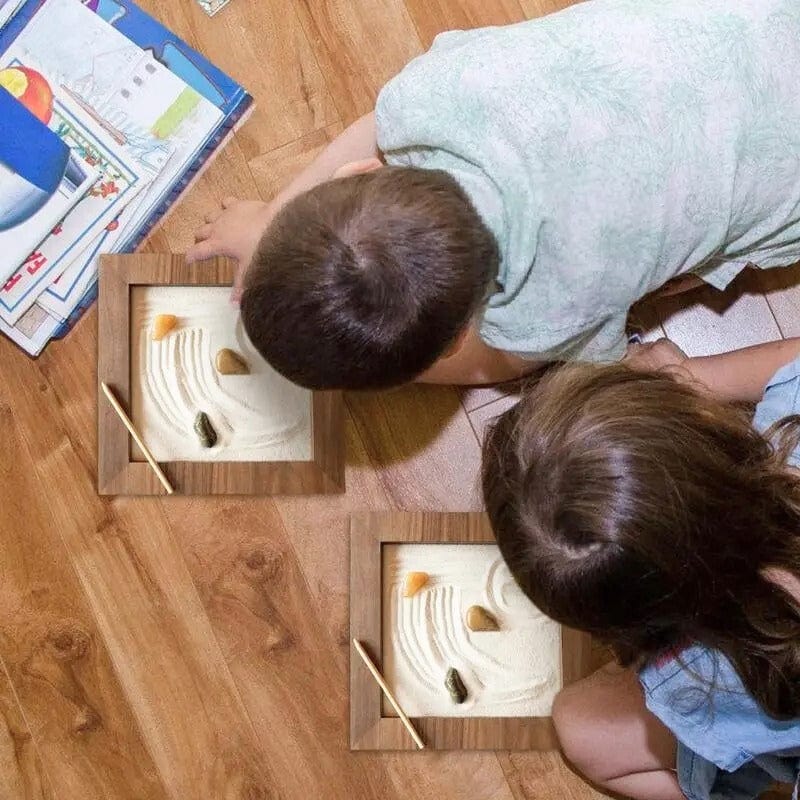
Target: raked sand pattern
{"points": [[513, 672], [258, 417]]}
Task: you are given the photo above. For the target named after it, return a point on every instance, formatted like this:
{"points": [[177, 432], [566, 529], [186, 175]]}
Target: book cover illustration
{"points": [[40, 178], [66, 291], [120, 179], [137, 99]]}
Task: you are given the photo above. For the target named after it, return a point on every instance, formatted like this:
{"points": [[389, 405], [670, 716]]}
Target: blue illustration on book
{"points": [[34, 164]]}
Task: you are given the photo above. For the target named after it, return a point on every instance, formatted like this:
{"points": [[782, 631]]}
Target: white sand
{"points": [[258, 417], [513, 672]]}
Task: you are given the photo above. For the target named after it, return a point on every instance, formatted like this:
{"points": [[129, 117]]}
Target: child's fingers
{"points": [[202, 233], [202, 250], [229, 201], [213, 216]]}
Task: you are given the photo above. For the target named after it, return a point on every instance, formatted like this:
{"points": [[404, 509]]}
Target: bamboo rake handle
{"points": [[136, 438], [388, 692]]}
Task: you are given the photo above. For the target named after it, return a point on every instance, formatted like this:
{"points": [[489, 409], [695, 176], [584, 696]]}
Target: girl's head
{"points": [[628, 505]]}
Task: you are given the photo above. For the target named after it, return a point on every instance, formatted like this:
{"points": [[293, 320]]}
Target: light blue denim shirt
{"points": [[728, 747], [610, 147]]}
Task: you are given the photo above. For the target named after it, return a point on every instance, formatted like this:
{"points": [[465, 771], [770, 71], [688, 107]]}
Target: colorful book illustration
{"points": [[120, 178], [65, 292], [150, 92], [41, 180]]}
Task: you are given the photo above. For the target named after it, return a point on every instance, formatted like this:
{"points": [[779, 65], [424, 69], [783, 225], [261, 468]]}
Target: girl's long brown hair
{"points": [[629, 505]]}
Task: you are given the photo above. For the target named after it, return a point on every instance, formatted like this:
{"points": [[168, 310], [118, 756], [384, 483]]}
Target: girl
{"points": [[636, 507]]}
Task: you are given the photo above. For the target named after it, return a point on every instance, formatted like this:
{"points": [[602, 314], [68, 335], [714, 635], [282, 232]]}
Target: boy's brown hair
{"points": [[633, 507], [363, 282]]}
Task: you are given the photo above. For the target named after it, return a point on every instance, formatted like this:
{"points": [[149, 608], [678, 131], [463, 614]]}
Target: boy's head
{"points": [[365, 281]]}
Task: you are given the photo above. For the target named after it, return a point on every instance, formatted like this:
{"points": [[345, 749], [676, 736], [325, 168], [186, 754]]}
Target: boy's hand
{"points": [[656, 355], [234, 231]]}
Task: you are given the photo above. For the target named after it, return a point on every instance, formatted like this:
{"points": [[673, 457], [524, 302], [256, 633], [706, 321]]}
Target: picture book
{"points": [[152, 94]]}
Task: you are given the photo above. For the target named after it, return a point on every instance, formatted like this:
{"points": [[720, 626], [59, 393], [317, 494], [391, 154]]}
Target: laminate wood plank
{"points": [[149, 617], [434, 16], [359, 45], [533, 776], [22, 775], [538, 8], [59, 667], [277, 645], [272, 171]]}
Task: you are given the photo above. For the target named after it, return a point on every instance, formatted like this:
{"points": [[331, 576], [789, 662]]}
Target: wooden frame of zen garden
{"points": [[119, 473], [369, 729]]}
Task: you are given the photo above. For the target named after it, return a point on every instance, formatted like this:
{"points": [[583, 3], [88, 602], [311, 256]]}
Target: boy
{"points": [[518, 188]]}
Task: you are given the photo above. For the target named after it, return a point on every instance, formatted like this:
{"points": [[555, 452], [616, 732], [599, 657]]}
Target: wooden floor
{"points": [[198, 648]]}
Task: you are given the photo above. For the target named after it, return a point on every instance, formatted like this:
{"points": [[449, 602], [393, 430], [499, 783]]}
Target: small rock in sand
{"points": [[455, 685], [205, 430], [479, 619], [162, 325], [414, 582], [229, 362]]}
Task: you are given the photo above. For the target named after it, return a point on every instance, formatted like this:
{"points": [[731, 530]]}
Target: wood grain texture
{"points": [[23, 777], [369, 729], [147, 614], [76, 714], [120, 473]]}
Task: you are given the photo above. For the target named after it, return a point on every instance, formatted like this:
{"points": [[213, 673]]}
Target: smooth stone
{"points": [[479, 619], [414, 582], [229, 362], [205, 430], [455, 686]]}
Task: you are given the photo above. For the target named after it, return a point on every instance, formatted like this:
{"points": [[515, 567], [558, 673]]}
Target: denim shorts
{"points": [[701, 780]]}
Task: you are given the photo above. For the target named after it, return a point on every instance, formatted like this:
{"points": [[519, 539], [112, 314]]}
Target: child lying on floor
{"points": [[637, 507], [518, 188]]}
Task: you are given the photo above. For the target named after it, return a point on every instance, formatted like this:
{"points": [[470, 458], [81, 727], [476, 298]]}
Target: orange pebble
{"points": [[414, 582], [162, 325]]}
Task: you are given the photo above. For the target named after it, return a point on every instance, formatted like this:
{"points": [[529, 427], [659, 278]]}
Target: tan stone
{"points": [[229, 362], [479, 619], [414, 582]]}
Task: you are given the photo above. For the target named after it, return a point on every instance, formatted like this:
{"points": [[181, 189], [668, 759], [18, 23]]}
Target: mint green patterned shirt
{"points": [[611, 147]]}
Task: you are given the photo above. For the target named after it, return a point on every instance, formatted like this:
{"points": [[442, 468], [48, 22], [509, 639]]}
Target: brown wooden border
{"points": [[369, 730], [119, 475]]}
